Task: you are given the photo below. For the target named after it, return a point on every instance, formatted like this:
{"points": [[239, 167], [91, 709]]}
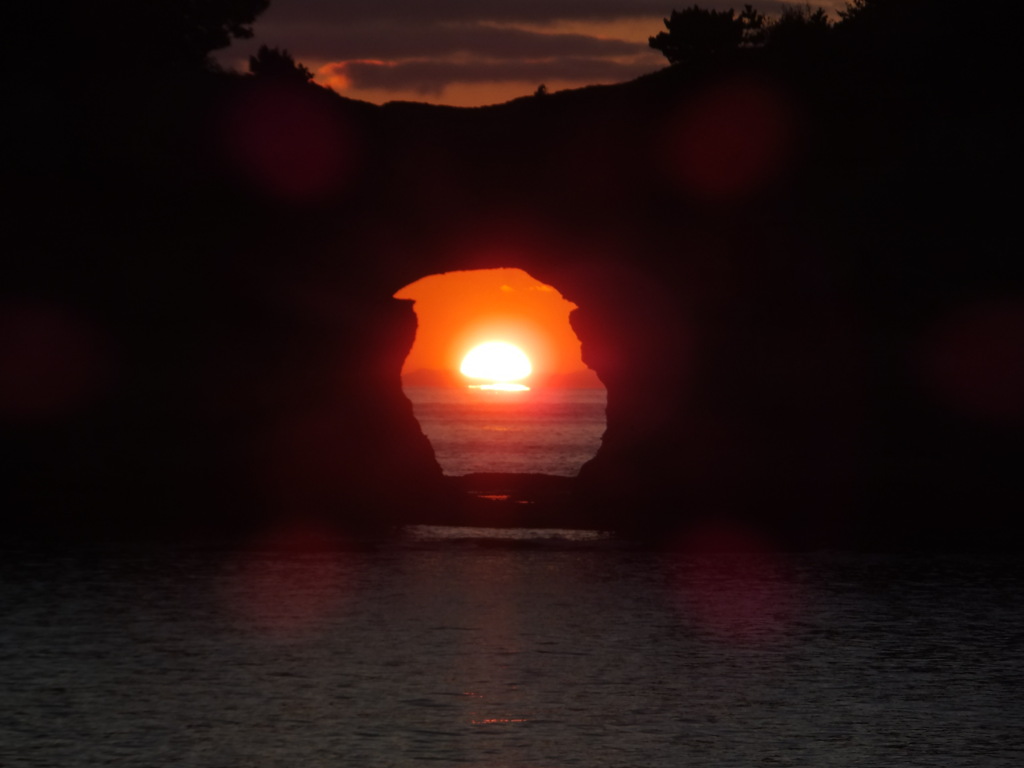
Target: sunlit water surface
{"points": [[550, 431], [525, 649]]}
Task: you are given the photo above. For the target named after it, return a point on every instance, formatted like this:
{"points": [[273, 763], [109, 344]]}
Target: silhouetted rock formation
{"points": [[796, 274]]}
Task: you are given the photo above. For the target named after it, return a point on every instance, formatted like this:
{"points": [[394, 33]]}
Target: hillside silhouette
{"points": [[795, 261]]}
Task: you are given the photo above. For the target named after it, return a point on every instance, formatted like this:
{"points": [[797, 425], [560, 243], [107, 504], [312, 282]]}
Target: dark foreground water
{"points": [[451, 648]]}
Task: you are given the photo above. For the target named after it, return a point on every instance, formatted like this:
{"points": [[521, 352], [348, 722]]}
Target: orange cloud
{"points": [[336, 73]]}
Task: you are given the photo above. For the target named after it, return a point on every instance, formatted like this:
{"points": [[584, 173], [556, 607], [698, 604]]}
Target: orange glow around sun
{"points": [[460, 313]]}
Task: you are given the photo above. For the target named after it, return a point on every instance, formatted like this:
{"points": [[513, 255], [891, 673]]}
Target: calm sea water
{"points": [[547, 431], [451, 647]]}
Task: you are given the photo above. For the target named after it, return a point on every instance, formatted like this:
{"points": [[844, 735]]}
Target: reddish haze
{"points": [[458, 310]]}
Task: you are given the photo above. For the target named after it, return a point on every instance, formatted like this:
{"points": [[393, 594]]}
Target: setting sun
{"points": [[499, 363], [458, 311]]}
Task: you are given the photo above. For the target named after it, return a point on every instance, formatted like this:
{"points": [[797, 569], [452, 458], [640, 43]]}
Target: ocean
{"points": [[546, 431], [509, 649]]}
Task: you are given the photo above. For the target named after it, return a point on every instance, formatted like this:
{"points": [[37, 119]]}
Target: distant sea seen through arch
{"points": [[553, 418]]}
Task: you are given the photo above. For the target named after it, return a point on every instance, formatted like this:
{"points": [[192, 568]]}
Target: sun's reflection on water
{"points": [[501, 386]]}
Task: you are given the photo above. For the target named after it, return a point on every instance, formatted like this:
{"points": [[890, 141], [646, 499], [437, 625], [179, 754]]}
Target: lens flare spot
{"points": [[287, 581], [288, 142], [733, 586], [731, 140], [973, 361], [53, 361]]}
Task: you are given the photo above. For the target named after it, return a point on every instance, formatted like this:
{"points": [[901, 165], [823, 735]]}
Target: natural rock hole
{"points": [[518, 441]]}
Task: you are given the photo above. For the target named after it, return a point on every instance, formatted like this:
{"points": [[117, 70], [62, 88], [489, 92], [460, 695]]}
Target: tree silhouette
{"points": [[858, 10], [78, 42], [798, 27], [696, 32], [277, 64]]}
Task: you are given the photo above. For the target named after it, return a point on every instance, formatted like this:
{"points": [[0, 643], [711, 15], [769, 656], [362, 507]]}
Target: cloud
{"points": [[419, 47], [438, 11], [431, 76], [414, 42], [346, 13], [360, 12]]}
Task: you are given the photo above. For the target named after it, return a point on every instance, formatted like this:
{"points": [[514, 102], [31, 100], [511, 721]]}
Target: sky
{"points": [[458, 310], [467, 52]]}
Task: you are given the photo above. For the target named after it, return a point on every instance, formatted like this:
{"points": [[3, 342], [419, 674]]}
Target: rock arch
{"points": [[759, 337], [730, 354]]}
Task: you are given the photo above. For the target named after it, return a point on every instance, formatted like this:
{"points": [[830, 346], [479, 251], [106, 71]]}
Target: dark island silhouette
{"points": [[794, 252]]}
